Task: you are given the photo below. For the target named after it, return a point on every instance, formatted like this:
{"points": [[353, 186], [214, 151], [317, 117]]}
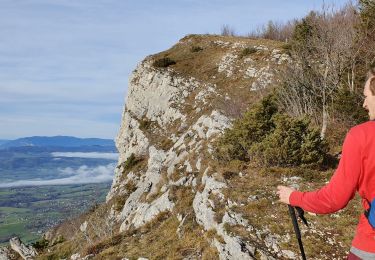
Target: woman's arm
{"points": [[339, 191]]}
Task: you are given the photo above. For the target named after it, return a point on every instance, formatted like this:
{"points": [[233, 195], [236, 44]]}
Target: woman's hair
{"points": [[371, 76]]}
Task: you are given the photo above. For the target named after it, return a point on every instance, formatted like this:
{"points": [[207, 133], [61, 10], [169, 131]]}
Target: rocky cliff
{"points": [[179, 109], [170, 198]]}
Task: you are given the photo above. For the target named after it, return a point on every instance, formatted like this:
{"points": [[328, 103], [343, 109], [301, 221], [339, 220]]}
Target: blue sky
{"points": [[64, 64]]}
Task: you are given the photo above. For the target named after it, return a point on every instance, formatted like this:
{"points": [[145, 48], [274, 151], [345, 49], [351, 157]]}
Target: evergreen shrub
{"points": [[268, 137], [347, 105], [130, 162], [247, 51], [196, 49], [163, 62]]}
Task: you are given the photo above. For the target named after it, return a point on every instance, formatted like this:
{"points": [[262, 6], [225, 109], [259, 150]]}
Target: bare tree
{"points": [[226, 30], [321, 56], [296, 95], [274, 31], [363, 49]]}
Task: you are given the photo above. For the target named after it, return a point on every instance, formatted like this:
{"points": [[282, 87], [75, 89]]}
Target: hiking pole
{"points": [[296, 228]]}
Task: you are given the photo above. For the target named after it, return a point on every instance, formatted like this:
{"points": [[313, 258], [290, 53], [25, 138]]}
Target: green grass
{"points": [[7, 231], [11, 210], [6, 192]]}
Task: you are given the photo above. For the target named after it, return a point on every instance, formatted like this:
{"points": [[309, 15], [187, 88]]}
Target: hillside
{"points": [[170, 199]]}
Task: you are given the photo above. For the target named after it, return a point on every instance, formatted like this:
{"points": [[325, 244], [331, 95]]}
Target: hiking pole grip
{"points": [[296, 230]]}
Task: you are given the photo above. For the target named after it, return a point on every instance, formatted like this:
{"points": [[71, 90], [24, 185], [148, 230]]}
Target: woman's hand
{"points": [[284, 193]]}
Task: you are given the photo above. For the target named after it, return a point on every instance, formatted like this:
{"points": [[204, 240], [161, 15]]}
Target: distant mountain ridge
{"points": [[56, 141], [4, 141]]}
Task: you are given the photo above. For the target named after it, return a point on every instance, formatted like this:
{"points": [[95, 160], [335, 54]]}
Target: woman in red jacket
{"points": [[355, 173]]}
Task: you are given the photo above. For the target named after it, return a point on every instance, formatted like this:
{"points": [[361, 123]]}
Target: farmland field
{"points": [[40, 186], [27, 212]]}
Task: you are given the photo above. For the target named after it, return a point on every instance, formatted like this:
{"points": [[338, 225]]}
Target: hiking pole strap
{"points": [[301, 215], [296, 230]]}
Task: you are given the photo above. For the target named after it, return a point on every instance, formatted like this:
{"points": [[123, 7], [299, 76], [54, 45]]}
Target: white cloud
{"points": [[94, 155], [82, 175]]}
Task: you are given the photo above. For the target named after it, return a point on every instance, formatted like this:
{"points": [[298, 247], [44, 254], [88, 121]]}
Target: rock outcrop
{"points": [[5, 253], [176, 107], [26, 252]]}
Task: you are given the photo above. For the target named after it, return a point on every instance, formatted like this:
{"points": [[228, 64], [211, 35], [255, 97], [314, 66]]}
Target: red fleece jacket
{"points": [[356, 172]]}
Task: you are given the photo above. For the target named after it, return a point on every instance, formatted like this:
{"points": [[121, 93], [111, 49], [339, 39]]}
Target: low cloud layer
{"points": [[81, 175], [94, 155]]}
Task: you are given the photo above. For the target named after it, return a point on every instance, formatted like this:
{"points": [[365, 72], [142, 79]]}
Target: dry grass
{"points": [[61, 251], [264, 213], [158, 239], [148, 197], [138, 168], [219, 206]]}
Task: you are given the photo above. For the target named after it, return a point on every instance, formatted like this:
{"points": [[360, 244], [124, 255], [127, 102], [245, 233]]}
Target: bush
{"points": [[40, 244], [166, 144], [247, 51], [130, 162], [119, 203], [287, 47], [292, 143], [255, 124], [196, 49], [130, 187], [58, 240], [163, 62], [145, 124], [347, 106], [270, 138]]}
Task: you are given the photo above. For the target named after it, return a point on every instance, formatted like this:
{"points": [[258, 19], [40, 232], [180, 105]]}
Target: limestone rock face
{"points": [[26, 252], [5, 253], [233, 247], [156, 96], [149, 87], [143, 212], [170, 120], [137, 213], [78, 257]]}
